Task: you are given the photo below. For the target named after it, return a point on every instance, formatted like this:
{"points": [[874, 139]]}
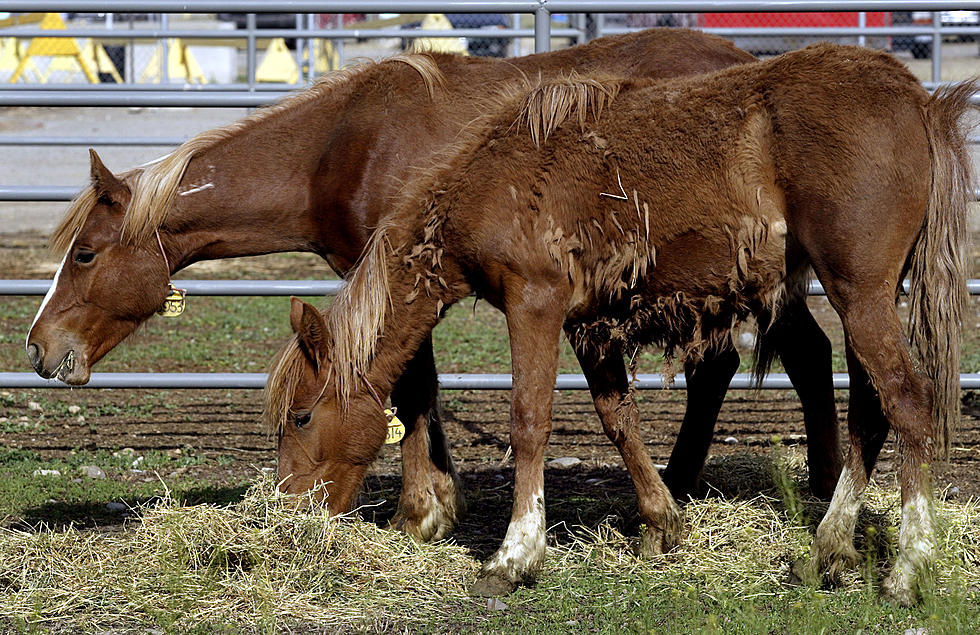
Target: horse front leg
{"points": [[707, 384], [535, 313], [617, 410], [431, 500]]}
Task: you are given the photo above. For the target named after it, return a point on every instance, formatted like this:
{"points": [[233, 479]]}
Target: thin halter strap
{"points": [[374, 393], [162, 252]]}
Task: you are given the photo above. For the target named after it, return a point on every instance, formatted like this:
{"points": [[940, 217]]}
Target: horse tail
{"points": [[546, 106], [356, 318], [937, 273]]}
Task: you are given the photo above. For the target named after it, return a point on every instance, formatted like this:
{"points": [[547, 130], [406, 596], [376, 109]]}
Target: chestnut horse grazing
{"points": [[665, 212], [317, 173]]}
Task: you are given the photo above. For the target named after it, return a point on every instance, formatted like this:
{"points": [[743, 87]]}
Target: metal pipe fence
{"points": [[447, 381], [252, 94]]}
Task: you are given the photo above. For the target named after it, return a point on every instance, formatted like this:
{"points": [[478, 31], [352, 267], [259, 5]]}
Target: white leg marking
{"points": [[916, 547], [523, 548], [845, 505], [48, 295], [833, 546]]}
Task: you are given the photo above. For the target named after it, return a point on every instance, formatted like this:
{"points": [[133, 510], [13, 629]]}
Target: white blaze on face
{"points": [[49, 294]]}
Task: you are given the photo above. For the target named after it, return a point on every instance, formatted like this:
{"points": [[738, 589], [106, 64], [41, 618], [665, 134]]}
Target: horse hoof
{"points": [[490, 584], [435, 525], [655, 541], [896, 590], [831, 566], [802, 572]]}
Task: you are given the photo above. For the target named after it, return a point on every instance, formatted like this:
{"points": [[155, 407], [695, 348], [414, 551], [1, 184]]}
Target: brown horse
{"points": [[667, 212], [317, 173]]}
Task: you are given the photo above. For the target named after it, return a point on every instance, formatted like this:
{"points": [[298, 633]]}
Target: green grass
{"points": [[71, 498]]}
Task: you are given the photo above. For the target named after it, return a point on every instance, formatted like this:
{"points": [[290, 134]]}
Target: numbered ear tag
{"points": [[396, 429], [173, 305]]}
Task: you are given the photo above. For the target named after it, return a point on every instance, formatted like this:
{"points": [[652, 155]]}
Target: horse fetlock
{"points": [[901, 586], [424, 517], [449, 492], [916, 552]]}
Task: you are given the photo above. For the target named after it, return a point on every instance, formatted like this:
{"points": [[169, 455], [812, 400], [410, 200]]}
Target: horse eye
{"points": [[302, 419], [84, 256]]}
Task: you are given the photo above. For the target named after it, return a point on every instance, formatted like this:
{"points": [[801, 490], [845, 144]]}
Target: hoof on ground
{"points": [[803, 572], [432, 527], [833, 565], [898, 591], [490, 584], [664, 536]]}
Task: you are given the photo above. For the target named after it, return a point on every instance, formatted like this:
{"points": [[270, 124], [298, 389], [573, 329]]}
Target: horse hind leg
{"points": [[833, 547], [707, 385], [431, 500], [617, 410], [874, 334]]}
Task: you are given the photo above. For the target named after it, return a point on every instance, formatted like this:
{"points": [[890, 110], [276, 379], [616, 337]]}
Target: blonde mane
{"points": [[355, 321], [154, 186], [548, 105], [285, 375]]}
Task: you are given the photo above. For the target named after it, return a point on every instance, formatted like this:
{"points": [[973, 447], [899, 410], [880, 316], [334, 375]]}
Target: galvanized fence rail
{"points": [[252, 95]]}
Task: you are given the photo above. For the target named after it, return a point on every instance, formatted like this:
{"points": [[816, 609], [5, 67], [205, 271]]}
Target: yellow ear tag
{"points": [[396, 429], [173, 304]]}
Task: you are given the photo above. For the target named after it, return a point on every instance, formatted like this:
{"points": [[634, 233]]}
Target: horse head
{"points": [[326, 439], [105, 287]]}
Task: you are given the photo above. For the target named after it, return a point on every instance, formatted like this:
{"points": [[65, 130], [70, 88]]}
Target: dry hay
{"points": [[747, 546], [259, 562], [262, 563]]}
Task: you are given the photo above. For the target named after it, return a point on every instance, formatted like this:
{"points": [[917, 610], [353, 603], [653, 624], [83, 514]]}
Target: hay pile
{"points": [[260, 562], [748, 545]]}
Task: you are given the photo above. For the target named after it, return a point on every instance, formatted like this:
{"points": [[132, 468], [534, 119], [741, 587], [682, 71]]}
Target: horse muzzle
{"points": [[66, 365]]}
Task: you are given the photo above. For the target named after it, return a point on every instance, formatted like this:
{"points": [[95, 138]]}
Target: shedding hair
{"points": [[154, 186], [550, 104], [938, 291]]}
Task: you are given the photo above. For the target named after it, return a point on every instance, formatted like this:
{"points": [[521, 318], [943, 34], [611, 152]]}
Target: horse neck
{"points": [[413, 312], [250, 193]]}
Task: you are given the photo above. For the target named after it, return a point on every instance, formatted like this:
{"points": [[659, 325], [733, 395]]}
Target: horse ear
{"points": [[105, 182], [311, 328]]}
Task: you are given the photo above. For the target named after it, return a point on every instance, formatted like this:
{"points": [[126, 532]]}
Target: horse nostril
{"points": [[34, 354]]}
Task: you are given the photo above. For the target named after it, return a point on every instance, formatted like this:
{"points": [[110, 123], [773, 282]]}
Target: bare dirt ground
{"points": [[226, 424]]}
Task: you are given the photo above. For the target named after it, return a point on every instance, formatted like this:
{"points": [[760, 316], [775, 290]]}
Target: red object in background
{"points": [[789, 20], [324, 20]]}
